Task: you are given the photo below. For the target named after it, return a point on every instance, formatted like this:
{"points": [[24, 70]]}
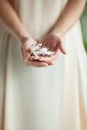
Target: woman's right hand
{"points": [[26, 43]]}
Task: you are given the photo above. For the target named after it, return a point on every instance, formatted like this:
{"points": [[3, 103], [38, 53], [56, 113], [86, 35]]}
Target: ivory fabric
{"points": [[50, 98]]}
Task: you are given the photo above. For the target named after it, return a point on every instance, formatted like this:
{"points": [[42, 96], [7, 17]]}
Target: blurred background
{"points": [[84, 26]]}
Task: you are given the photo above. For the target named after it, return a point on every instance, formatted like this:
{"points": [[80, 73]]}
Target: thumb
{"points": [[62, 49]]}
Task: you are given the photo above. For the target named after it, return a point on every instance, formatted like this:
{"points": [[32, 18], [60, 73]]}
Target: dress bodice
{"points": [[39, 15]]}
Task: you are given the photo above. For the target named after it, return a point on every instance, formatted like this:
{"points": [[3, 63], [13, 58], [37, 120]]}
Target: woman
{"points": [[42, 94]]}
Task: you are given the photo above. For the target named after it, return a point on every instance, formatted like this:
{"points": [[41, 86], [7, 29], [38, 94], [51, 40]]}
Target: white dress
{"points": [[52, 98]]}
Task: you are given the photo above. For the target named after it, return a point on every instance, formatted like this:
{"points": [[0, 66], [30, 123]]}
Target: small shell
{"points": [[40, 50], [43, 50]]}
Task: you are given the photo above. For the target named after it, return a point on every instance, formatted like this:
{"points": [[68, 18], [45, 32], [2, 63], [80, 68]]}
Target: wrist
{"points": [[60, 30], [22, 34], [58, 35]]}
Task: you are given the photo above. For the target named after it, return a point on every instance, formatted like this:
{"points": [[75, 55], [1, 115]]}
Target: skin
{"points": [[65, 22]]}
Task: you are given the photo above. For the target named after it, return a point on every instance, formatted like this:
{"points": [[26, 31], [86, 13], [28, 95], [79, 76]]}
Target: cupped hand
{"points": [[26, 43], [54, 43]]}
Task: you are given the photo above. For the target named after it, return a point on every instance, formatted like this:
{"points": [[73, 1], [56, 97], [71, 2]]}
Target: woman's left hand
{"points": [[54, 43]]}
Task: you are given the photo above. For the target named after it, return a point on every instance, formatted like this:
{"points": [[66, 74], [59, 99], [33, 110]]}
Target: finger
{"points": [[49, 59], [49, 63], [34, 57], [22, 52], [26, 54], [62, 49], [36, 63], [25, 58]]}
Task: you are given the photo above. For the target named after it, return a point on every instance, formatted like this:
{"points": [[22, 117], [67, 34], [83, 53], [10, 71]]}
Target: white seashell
{"points": [[37, 47], [36, 53], [40, 44], [40, 49], [43, 50]]}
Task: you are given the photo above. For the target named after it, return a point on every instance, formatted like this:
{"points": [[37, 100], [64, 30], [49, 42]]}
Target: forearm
{"points": [[69, 16], [11, 20]]}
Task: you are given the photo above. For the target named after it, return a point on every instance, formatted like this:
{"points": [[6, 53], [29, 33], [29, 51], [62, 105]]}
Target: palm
{"points": [[27, 56], [54, 43]]}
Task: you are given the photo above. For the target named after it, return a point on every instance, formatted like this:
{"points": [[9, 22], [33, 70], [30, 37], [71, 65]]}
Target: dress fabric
{"points": [[50, 98]]}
